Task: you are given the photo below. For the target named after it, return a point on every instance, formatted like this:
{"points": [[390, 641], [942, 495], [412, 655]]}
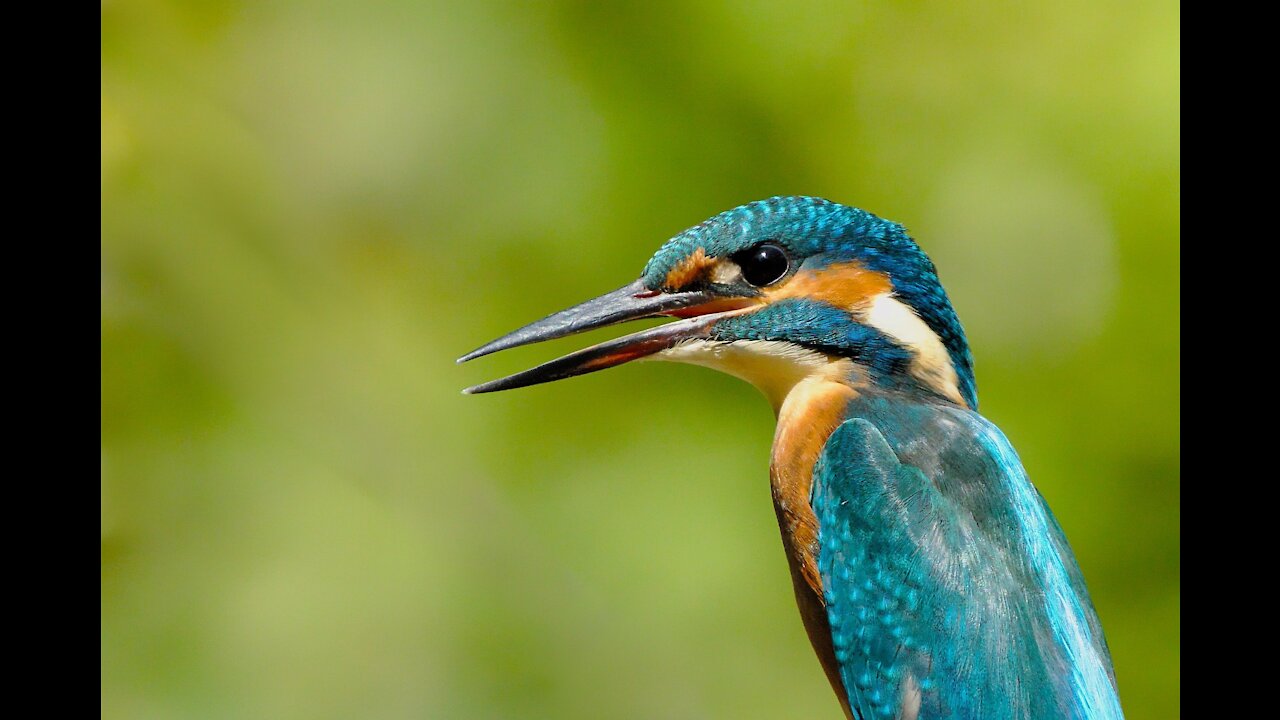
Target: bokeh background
{"points": [[309, 209]]}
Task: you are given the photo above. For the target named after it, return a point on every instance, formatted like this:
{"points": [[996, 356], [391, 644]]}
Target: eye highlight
{"points": [[763, 264]]}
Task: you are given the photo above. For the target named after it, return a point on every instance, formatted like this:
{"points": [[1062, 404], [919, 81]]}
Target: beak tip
{"points": [[631, 302]]}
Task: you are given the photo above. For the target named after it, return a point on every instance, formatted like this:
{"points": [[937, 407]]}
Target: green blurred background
{"points": [[309, 209]]}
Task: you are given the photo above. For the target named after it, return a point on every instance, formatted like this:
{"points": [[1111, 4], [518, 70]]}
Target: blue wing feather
{"points": [[950, 590]]}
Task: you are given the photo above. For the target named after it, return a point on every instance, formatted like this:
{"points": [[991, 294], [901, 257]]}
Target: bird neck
{"points": [[775, 368], [889, 344]]}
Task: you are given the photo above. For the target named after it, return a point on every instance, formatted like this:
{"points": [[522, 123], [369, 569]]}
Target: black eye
{"points": [[763, 264]]}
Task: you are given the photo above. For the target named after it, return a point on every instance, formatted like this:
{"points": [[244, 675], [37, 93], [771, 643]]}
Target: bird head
{"points": [[772, 292]]}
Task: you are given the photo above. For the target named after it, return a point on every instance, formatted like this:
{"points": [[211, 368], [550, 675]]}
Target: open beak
{"points": [[632, 302]]}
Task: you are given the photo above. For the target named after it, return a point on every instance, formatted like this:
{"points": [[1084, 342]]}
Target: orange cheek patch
{"points": [[690, 269], [844, 285]]}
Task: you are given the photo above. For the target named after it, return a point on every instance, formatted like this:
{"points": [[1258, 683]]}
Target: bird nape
{"points": [[931, 577]]}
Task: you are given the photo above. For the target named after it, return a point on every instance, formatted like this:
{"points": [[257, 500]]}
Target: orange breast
{"points": [[811, 412]]}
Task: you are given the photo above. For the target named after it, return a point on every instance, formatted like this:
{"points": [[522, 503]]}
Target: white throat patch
{"points": [[775, 367]]}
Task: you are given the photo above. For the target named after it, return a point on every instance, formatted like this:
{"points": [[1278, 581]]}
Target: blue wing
{"points": [[950, 590]]}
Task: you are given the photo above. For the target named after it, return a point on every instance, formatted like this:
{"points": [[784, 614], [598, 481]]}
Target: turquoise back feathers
{"points": [[950, 589]]}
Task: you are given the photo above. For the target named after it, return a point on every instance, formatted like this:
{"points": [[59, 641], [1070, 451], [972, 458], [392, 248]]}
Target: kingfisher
{"points": [[931, 577]]}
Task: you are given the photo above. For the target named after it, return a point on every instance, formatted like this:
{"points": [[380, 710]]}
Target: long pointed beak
{"points": [[631, 302]]}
